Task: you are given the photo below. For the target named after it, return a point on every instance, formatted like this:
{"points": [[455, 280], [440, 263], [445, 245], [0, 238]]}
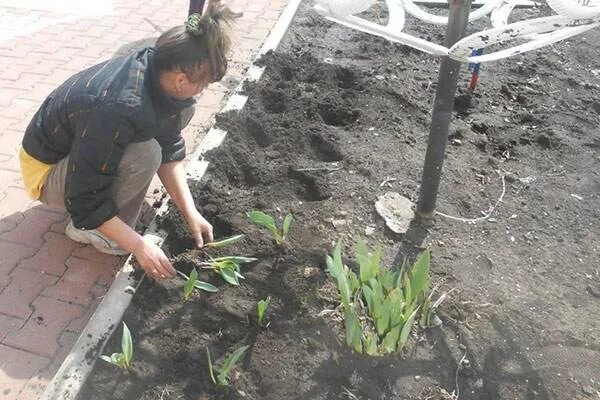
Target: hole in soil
{"points": [[221, 227], [312, 187], [273, 101], [337, 114], [287, 73], [325, 148], [345, 78], [257, 132]]}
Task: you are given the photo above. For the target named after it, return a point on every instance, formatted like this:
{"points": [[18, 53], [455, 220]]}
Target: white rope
{"points": [[486, 216]]}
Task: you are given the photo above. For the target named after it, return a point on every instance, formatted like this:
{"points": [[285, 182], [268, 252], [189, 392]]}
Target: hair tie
{"points": [[194, 25]]}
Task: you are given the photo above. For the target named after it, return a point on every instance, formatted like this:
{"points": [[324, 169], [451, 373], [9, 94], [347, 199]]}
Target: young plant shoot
{"points": [[225, 242], [379, 305], [228, 267], [266, 221], [124, 358], [192, 282], [261, 309], [222, 379]]}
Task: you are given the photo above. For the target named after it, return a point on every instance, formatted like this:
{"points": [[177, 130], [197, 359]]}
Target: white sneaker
{"points": [[96, 239]]}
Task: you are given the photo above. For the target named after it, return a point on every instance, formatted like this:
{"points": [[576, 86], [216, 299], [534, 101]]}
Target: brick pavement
{"points": [[49, 285]]}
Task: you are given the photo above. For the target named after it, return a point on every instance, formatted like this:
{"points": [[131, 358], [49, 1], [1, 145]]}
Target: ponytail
{"points": [[203, 38]]}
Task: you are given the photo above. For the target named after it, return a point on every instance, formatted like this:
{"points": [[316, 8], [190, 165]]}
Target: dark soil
{"points": [[336, 114]]}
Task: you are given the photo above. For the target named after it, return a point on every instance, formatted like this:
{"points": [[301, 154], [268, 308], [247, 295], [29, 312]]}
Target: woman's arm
{"points": [[172, 176]]}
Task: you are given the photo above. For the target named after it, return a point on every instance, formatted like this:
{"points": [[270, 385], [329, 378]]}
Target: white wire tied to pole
{"points": [[573, 18], [488, 214]]}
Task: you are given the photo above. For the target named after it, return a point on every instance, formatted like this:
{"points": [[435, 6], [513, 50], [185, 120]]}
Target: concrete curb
{"points": [[78, 364]]}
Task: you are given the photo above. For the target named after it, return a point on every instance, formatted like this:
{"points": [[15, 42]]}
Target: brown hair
{"points": [[203, 38]]}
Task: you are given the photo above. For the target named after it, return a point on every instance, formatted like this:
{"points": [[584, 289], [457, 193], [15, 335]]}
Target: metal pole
{"points": [[442, 110]]}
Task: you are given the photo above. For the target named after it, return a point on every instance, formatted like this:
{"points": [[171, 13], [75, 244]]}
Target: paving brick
{"points": [[16, 368], [9, 324], [9, 178], [258, 34], [63, 54], [38, 92], [34, 388], [9, 140], [77, 282], [10, 74], [12, 254], [52, 257], [30, 231], [89, 253], [8, 94], [78, 63], [41, 332], [78, 324], [60, 227], [24, 287], [10, 163], [14, 200], [26, 80], [19, 107]]}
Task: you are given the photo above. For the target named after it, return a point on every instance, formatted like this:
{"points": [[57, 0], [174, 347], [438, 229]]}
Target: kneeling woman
{"points": [[96, 142]]}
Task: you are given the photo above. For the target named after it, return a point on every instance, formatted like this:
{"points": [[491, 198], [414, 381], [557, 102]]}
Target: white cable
{"points": [[345, 7], [462, 49], [397, 16], [380, 30], [418, 12], [499, 15], [487, 215], [572, 8]]}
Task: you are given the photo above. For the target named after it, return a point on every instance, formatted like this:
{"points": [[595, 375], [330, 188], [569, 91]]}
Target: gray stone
{"points": [[396, 210]]}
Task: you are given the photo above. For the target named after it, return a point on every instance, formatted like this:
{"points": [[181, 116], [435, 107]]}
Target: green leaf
{"points": [[287, 223], [188, 287], [396, 315], [408, 297], [354, 282], [382, 323], [371, 344], [225, 242], [229, 363], [335, 265], [107, 359], [362, 255], [207, 287], [387, 280], [210, 367], [235, 260], [419, 275], [229, 276], [378, 298], [261, 308], [339, 272], [353, 331], [375, 260], [266, 221], [369, 297], [406, 330], [391, 339], [127, 345]]}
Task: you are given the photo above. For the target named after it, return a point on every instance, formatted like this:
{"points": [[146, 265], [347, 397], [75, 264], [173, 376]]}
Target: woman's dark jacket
{"points": [[92, 117]]}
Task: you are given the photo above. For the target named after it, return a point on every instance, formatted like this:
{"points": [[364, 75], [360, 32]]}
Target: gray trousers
{"points": [[134, 174]]}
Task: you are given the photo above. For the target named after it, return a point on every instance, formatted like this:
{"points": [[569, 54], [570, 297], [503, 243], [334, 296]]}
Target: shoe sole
{"points": [[74, 234]]}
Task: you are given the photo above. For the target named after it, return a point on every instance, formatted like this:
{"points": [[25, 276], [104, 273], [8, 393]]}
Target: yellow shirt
{"points": [[34, 174]]}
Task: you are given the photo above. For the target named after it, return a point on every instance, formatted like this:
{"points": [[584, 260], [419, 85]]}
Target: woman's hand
{"points": [[202, 230], [153, 260]]}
